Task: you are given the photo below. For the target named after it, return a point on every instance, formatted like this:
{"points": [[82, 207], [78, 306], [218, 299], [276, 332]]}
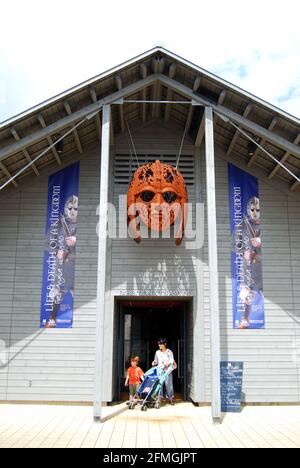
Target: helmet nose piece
{"points": [[158, 199]]}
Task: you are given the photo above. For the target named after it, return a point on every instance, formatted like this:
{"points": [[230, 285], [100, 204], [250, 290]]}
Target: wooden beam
{"points": [[189, 119], [143, 71], [111, 129], [283, 160], [222, 97], [102, 254], [237, 133], [262, 143], [161, 67], [8, 174], [256, 171], [294, 186], [118, 81], [74, 118], [49, 139], [249, 125], [155, 69], [200, 133], [172, 73], [98, 120], [75, 132], [192, 108], [213, 266], [25, 152], [197, 83], [220, 101]]}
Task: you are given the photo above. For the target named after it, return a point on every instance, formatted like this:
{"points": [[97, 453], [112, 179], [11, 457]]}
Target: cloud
{"points": [[3, 94], [274, 77], [232, 68], [46, 48]]}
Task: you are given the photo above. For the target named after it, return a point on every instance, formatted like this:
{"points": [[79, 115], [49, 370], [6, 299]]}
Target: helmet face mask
{"points": [[157, 196], [71, 209], [253, 210]]}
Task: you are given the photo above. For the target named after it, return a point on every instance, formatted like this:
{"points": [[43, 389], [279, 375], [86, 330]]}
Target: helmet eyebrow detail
{"points": [[157, 197]]}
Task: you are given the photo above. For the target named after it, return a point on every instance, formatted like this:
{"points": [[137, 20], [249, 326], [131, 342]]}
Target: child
{"points": [[134, 376]]}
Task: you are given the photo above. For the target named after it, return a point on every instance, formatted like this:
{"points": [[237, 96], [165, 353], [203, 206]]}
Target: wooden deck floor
{"points": [[182, 426]]}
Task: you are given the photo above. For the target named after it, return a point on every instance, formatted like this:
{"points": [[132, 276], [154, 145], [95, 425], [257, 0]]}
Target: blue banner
{"points": [[231, 386], [60, 249], [246, 252]]}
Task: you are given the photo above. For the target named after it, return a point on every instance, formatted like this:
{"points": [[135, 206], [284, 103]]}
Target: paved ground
{"points": [[182, 426]]}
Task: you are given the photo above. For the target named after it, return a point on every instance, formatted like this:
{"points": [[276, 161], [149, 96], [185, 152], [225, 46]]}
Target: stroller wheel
{"points": [[144, 408], [157, 405]]}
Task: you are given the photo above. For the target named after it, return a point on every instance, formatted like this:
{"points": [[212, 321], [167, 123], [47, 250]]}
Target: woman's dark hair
{"points": [[163, 341]]}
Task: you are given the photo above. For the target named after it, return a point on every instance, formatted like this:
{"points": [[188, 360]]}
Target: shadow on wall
{"points": [[6, 355], [162, 271]]}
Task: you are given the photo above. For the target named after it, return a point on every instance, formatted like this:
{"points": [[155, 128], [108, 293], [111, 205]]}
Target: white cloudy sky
{"points": [[47, 47]]}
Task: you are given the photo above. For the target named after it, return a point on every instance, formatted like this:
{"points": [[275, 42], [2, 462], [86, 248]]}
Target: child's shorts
{"points": [[133, 388]]}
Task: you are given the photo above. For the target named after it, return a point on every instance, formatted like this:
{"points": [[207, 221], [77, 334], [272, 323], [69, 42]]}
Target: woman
{"points": [[164, 358]]}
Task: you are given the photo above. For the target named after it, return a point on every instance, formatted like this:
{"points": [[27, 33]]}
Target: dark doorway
{"points": [[139, 325]]}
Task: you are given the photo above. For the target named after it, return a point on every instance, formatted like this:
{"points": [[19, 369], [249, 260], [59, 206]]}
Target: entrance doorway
{"points": [[139, 325]]}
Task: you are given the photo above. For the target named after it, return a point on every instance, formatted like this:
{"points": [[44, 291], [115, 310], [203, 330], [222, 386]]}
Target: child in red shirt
{"points": [[134, 376]]}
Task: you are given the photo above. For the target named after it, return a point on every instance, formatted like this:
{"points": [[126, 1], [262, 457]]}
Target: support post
{"points": [[213, 266], [101, 272]]}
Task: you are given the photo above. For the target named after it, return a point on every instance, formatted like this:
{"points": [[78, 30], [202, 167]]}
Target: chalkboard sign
{"points": [[231, 386]]}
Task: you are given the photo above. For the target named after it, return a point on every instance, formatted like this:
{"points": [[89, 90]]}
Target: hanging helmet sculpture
{"points": [[157, 197]]}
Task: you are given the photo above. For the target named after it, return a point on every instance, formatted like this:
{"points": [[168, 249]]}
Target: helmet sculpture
{"points": [[157, 196]]}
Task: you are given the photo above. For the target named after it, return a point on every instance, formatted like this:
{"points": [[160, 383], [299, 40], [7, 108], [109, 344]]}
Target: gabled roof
{"points": [[158, 74]]}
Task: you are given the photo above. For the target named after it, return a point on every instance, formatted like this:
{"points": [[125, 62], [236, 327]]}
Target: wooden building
{"points": [[127, 294]]}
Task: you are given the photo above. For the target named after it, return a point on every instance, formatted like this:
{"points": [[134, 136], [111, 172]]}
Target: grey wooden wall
{"points": [[9, 217], [46, 365], [58, 365], [271, 356], [156, 267]]}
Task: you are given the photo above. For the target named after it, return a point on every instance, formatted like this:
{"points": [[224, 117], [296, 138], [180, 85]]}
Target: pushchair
{"points": [[148, 394]]}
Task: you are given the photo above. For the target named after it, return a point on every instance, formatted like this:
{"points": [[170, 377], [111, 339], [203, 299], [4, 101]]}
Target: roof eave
{"points": [[148, 53], [79, 87]]}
